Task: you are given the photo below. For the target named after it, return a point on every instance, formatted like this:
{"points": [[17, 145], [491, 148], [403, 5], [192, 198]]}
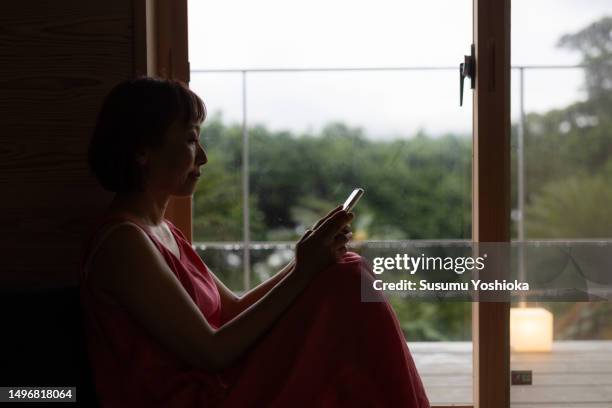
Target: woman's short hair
{"points": [[135, 115]]}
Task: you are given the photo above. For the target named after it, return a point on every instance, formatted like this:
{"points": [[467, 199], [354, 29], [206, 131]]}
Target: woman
{"points": [[164, 331]]}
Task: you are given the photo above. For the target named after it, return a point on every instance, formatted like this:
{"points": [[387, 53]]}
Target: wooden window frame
{"points": [[163, 34], [491, 194]]}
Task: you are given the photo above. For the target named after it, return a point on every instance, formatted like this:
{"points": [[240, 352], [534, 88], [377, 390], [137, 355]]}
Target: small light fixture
{"points": [[531, 329]]}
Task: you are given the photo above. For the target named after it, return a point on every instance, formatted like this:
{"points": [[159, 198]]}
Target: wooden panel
{"points": [[491, 193], [58, 60]]}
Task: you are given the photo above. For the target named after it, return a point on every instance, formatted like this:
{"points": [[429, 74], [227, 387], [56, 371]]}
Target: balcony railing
{"points": [[247, 245]]}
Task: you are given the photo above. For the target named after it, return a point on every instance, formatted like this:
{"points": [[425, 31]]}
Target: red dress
{"points": [[328, 349]]}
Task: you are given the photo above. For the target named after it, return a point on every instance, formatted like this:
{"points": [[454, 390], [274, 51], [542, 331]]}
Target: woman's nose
{"points": [[202, 158]]}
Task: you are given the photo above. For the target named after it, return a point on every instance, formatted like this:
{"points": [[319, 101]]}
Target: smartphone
{"points": [[352, 199]]}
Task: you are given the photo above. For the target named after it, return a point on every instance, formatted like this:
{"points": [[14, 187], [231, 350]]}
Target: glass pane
{"points": [[391, 124], [217, 202], [562, 139]]}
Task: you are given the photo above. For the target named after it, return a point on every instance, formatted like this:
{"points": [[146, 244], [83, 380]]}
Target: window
{"points": [[355, 102], [562, 139]]}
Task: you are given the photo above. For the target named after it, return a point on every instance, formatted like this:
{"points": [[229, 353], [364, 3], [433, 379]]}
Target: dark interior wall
{"points": [[57, 61]]}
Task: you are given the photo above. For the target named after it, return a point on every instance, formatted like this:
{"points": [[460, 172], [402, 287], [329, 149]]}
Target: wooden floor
{"points": [[575, 374]]}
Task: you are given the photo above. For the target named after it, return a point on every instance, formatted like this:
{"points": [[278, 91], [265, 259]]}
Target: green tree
{"points": [[580, 136], [578, 207]]}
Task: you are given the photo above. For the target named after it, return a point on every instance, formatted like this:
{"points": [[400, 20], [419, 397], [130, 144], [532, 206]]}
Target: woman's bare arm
{"points": [[132, 271], [232, 305]]}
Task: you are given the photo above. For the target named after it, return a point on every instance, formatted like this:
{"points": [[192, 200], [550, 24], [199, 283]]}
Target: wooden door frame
{"points": [[166, 37], [167, 57], [491, 193]]}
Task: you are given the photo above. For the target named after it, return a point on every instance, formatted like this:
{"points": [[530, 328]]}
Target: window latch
{"points": [[467, 69]]}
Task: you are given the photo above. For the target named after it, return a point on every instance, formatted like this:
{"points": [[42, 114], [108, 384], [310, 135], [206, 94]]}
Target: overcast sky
{"points": [[241, 34]]}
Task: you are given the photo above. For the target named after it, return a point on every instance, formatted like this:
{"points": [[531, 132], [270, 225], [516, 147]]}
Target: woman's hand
{"points": [[342, 238], [324, 244]]}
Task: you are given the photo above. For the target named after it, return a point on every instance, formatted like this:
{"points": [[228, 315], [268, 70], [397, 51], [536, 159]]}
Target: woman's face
{"points": [[174, 167]]}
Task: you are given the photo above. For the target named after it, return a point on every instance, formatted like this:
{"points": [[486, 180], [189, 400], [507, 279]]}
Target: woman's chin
{"points": [[188, 188], [186, 191]]}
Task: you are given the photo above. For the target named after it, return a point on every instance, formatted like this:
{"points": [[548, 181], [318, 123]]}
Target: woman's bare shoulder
{"points": [[130, 270], [118, 243]]}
